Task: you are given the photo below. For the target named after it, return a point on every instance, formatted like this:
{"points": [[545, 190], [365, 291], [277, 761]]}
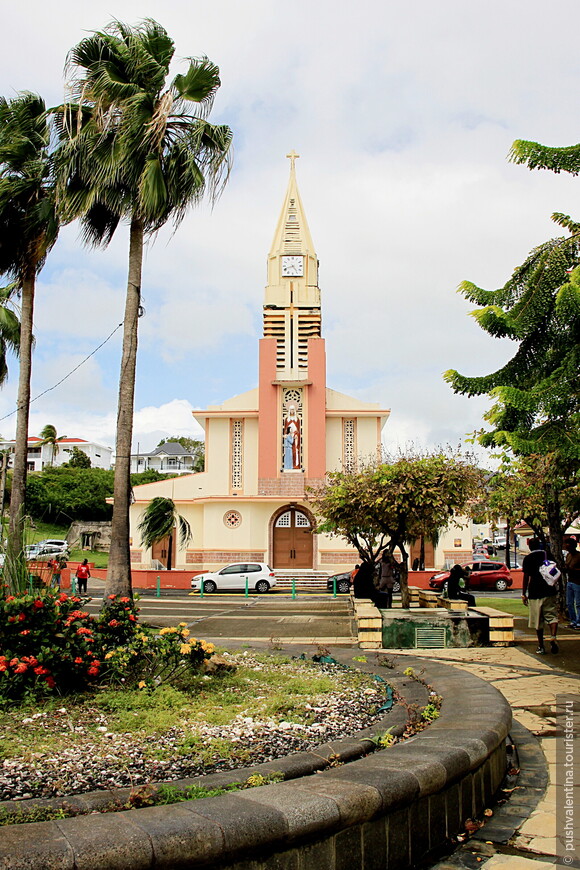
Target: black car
{"points": [[342, 582]]}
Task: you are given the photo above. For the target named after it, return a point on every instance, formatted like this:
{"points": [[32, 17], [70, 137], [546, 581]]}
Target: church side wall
{"points": [[250, 482], [334, 449]]}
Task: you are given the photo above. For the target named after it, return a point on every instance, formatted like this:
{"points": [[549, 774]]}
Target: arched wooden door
{"points": [[293, 540]]}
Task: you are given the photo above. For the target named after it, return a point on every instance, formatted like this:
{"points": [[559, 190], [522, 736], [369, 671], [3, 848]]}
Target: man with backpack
{"points": [[541, 595]]}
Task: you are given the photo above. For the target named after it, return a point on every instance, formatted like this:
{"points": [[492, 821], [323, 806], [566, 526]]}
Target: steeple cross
{"points": [[293, 155]]}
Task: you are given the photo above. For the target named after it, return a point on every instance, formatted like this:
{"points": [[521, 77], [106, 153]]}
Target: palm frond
{"points": [[158, 521]]}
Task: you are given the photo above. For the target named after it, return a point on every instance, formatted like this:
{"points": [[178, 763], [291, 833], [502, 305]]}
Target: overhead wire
{"points": [[72, 371]]}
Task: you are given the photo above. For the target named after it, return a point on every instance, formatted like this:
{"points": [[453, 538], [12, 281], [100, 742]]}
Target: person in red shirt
{"points": [[82, 575]]}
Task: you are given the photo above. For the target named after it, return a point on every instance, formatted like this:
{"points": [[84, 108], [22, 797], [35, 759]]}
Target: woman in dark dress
{"points": [[454, 591]]}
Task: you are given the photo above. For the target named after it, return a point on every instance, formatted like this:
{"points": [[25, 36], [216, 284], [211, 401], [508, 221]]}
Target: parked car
{"points": [[500, 543], [42, 552], [55, 544], [342, 582], [260, 578], [484, 575]]}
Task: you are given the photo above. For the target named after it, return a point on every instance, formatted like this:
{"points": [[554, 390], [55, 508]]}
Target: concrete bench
{"points": [[501, 626], [429, 598], [414, 595], [369, 624], [453, 603]]}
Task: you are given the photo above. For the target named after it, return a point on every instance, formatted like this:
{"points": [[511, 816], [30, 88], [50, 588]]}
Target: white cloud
{"points": [[404, 115]]}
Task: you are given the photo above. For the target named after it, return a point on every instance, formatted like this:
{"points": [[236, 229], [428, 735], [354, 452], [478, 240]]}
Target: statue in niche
{"points": [[291, 439]]}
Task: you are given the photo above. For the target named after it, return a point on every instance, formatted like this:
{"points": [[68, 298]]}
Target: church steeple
{"points": [[292, 299]]}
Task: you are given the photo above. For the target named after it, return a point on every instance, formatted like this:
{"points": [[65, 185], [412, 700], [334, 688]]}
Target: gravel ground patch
{"points": [[91, 755]]}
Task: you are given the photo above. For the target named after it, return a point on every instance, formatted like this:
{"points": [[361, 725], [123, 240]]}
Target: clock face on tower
{"points": [[293, 267]]}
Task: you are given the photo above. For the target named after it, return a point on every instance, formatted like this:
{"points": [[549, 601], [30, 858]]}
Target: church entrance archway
{"points": [[293, 544]]}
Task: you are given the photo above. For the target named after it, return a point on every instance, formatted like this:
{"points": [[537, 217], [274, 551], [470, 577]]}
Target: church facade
{"points": [[266, 447]]}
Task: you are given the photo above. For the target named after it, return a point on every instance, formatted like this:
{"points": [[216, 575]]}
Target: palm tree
{"points": [[139, 149], [28, 230], [49, 436], [158, 521], [9, 329]]}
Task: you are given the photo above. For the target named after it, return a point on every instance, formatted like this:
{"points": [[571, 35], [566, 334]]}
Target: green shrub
{"points": [[50, 644]]}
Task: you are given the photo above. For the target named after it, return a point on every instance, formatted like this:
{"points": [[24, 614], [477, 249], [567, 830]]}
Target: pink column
{"points": [[316, 408], [268, 430]]}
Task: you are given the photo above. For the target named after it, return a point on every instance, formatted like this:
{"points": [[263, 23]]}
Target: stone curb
{"points": [[402, 803]]}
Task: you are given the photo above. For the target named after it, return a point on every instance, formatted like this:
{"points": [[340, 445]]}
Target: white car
{"points": [[55, 545], [258, 575], [42, 552]]}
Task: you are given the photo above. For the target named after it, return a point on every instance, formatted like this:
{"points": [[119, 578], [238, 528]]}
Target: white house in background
{"points": [[171, 457], [41, 456]]}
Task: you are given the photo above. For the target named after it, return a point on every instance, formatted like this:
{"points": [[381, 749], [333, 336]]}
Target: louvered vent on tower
{"points": [[309, 324], [292, 240], [274, 327]]}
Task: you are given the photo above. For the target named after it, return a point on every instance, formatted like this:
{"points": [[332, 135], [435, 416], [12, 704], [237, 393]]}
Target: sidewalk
{"points": [[530, 683]]}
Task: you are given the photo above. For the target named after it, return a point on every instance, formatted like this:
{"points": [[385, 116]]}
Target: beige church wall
{"points": [[367, 439], [454, 545], [247, 401], [336, 401], [334, 441], [218, 456], [335, 555], [250, 480]]}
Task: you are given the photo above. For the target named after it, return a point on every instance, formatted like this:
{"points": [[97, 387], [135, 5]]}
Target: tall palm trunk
{"points": [[18, 495], [119, 571]]}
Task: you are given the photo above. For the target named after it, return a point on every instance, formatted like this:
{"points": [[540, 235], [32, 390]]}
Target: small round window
{"points": [[232, 519]]}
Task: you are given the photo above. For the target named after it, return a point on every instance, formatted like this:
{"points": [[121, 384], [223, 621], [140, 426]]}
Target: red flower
{"points": [[38, 604], [40, 671], [21, 617], [11, 619], [111, 597], [26, 631], [93, 672], [21, 668], [3, 666], [13, 662], [124, 599], [78, 660], [62, 597], [114, 623], [10, 598], [132, 618], [50, 682], [84, 630]]}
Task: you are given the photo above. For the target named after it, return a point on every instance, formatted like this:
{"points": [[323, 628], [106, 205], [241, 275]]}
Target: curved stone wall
{"points": [[392, 807]]}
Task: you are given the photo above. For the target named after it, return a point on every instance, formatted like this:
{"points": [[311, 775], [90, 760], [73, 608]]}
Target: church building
{"points": [[264, 448]]}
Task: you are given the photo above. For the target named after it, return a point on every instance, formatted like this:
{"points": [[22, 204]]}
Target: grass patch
{"points": [[514, 606], [42, 530], [260, 689]]}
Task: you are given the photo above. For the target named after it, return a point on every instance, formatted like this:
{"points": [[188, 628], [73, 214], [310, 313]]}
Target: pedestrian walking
{"points": [[82, 575]]}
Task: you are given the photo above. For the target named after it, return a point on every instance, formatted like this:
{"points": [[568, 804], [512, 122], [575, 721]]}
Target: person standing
{"points": [[573, 585], [56, 565], [386, 581], [82, 575], [540, 597]]}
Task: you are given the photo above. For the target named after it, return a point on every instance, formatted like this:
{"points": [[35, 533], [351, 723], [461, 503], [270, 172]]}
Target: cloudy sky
{"points": [[403, 114]]}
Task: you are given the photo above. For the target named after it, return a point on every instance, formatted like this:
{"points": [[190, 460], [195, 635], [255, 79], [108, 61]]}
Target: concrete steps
{"points": [[304, 579]]}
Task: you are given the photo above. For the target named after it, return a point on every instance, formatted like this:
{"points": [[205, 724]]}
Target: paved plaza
{"points": [[530, 684]]}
